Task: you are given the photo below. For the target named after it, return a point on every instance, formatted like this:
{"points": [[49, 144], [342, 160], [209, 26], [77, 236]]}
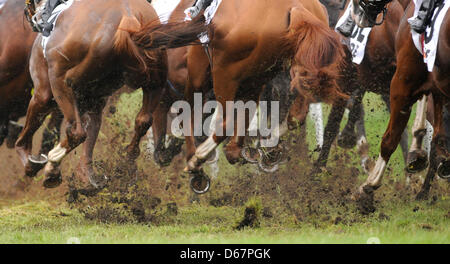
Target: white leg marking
{"points": [[419, 123], [57, 154], [376, 174], [205, 148], [316, 114], [428, 138]]}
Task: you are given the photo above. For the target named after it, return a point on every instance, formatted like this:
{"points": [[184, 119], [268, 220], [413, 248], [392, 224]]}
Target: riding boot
{"points": [[347, 27], [419, 23], [198, 7], [43, 24]]}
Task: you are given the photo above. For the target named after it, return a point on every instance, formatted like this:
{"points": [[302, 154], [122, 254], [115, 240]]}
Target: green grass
{"points": [[40, 222]]}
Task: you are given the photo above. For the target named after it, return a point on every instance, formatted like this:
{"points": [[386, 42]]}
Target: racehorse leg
{"points": [[347, 138], [401, 101], [144, 119], [93, 121], [417, 159], [331, 131], [162, 155], [440, 138], [225, 91], [425, 190], [403, 140], [75, 131], [39, 106], [197, 82], [316, 114], [51, 131]]}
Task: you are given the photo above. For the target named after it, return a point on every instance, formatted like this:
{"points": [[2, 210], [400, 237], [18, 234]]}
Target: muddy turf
{"points": [[147, 204]]}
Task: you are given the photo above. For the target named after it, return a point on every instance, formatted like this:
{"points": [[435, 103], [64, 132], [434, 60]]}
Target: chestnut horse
{"points": [[247, 50], [410, 82], [15, 80], [85, 64]]}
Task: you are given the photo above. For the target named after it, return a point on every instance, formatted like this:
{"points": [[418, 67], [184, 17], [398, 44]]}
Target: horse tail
{"points": [[123, 44], [170, 35], [318, 56]]}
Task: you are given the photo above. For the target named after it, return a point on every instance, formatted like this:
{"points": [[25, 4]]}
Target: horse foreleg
{"points": [[315, 110], [440, 138], [417, 159], [51, 131], [331, 131], [425, 190], [38, 108], [400, 103], [347, 138], [75, 132], [159, 129]]}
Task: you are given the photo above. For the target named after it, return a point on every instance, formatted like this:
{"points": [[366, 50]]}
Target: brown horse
{"points": [[247, 50], [410, 82], [15, 80], [374, 74], [83, 65]]}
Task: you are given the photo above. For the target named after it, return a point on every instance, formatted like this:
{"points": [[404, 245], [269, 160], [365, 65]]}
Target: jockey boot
{"points": [[419, 23], [346, 28], [197, 7]]}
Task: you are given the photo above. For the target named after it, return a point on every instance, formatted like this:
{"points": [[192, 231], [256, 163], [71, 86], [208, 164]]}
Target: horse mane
{"points": [[318, 56]]}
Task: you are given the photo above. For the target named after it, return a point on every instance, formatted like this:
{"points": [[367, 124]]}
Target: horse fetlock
{"points": [[417, 161], [53, 175]]}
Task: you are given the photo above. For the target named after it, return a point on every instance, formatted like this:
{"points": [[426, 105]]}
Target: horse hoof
{"points": [[417, 161], [199, 182], [53, 180], [444, 169], [346, 140], [251, 155], [35, 164], [14, 130]]}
